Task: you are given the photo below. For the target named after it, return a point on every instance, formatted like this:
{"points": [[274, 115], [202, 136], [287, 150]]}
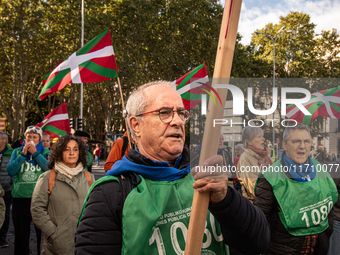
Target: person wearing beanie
{"points": [[27, 163]]}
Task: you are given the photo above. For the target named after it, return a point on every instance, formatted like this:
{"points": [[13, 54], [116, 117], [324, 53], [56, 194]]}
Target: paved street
{"points": [[97, 171]]}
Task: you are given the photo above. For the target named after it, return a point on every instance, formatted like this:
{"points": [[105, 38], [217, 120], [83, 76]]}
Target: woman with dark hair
{"points": [[58, 197]]}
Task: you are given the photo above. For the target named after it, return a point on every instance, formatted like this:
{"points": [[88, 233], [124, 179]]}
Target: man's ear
{"points": [[284, 145], [135, 125]]}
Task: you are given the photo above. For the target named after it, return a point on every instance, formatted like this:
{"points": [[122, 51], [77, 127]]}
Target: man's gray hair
{"points": [[249, 133], [299, 126], [239, 145], [3, 135], [137, 102], [44, 134]]}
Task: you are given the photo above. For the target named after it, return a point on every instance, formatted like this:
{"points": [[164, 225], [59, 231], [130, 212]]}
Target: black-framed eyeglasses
{"points": [[166, 114], [307, 142]]}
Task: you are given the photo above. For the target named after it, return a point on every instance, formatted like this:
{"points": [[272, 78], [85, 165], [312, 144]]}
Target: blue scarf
{"points": [[39, 147], [218, 151], [3, 152], [300, 173], [161, 172]]}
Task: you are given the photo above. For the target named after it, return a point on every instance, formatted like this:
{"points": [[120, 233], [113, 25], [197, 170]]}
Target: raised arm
{"points": [[244, 226], [17, 159]]}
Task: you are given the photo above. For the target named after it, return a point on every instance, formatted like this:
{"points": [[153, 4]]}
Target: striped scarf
{"points": [[264, 159]]}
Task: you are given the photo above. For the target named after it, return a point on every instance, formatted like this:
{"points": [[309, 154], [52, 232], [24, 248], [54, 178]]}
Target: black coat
{"points": [[244, 226], [333, 170]]}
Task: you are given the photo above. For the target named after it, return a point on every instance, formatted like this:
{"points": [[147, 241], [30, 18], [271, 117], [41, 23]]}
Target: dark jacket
{"points": [[244, 226], [281, 241], [5, 180], [337, 204], [334, 172]]}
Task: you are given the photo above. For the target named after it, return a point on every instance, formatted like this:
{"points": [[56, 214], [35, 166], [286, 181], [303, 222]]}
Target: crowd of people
{"points": [[277, 203]]}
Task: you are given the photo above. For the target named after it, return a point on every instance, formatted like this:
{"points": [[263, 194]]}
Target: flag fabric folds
{"points": [[56, 123], [322, 103], [2, 124], [191, 85], [93, 62]]}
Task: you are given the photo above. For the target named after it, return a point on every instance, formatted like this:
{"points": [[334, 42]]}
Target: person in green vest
{"points": [[85, 138], [297, 194], [27, 163], [143, 204]]}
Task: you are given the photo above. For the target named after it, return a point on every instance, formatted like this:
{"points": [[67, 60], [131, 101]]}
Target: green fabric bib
{"points": [[26, 178], [156, 218], [89, 158], [304, 206]]}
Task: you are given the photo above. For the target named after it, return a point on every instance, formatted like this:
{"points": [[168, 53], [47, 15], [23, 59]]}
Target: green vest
{"points": [[26, 178], [89, 158], [304, 206], [9, 151], [156, 216]]}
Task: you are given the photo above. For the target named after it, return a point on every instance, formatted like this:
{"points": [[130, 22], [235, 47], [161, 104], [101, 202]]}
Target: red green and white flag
{"points": [[2, 124], [192, 85], [56, 123], [322, 103], [93, 62]]}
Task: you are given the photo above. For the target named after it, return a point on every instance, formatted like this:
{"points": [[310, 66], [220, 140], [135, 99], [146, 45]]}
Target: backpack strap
{"points": [[125, 145], [51, 182], [88, 177]]}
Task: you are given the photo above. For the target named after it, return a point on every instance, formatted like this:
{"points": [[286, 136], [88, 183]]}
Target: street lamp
{"points": [[274, 39]]}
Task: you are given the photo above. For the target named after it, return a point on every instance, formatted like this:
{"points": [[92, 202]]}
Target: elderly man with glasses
{"points": [[143, 204], [297, 194]]}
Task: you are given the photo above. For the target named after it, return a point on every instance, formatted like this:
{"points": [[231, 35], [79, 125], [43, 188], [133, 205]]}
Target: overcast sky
{"points": [[255, 14]]}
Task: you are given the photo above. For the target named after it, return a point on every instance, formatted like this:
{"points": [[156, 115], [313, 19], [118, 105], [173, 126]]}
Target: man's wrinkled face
{"points": [[298, 146], [238, 151], [3, 142], [46, 141], [84, 139], [158, 140]]}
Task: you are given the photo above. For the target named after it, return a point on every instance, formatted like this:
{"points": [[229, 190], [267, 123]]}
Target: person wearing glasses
{"points": [[27, 163], [143, 204], [297, 195]]}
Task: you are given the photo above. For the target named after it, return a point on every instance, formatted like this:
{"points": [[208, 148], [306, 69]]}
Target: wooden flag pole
{"points": [[125, 118], [223, 63]]}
